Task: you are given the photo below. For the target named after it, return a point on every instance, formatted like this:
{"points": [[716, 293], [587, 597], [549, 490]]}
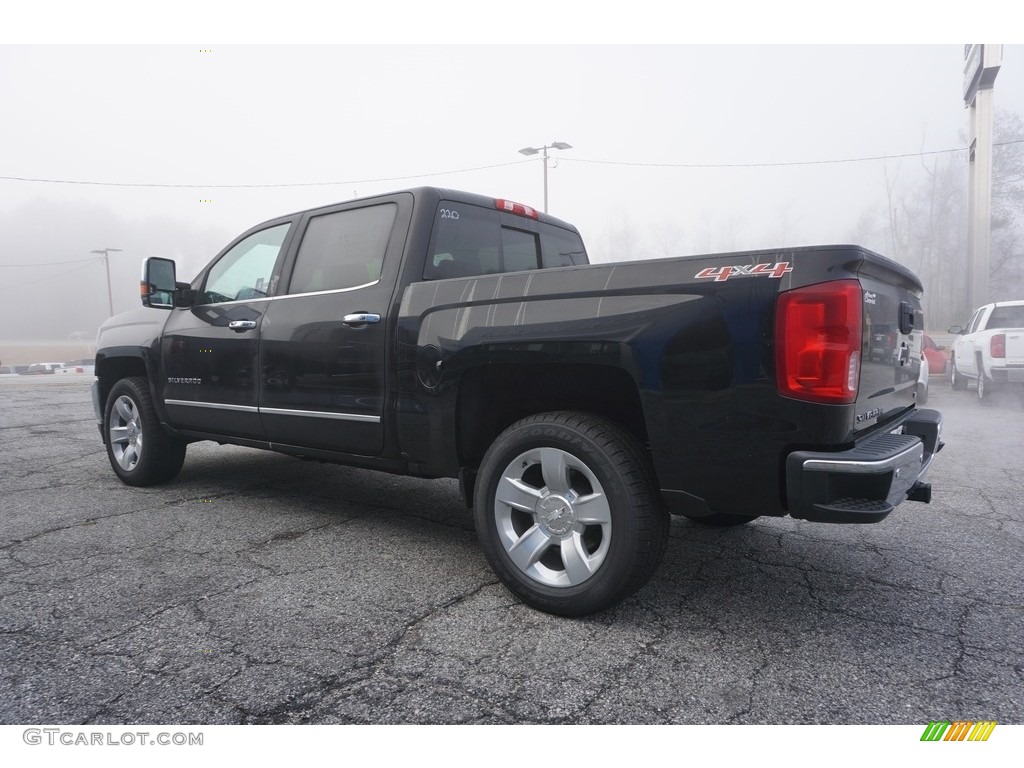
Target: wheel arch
{"points": [[118, 363], [492, 397]]}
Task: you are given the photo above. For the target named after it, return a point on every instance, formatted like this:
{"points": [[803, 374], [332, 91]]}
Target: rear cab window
{"points": [[470, 240], [1006, 317]]}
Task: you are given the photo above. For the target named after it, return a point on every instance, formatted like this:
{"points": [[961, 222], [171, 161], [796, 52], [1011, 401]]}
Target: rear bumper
{"points": [[865, 483], [1010, 374]]}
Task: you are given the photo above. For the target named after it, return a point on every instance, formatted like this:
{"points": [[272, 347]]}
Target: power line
{"points": [[43, 279], [567, 159], [262, 186], [350, 182], [50, 263]]}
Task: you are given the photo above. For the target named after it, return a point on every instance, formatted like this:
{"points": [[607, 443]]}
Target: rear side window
{"points": [[469, 240], [344, 249]]}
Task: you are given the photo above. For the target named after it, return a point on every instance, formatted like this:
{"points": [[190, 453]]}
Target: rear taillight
{"points": [[997, 347], [818, 340]]}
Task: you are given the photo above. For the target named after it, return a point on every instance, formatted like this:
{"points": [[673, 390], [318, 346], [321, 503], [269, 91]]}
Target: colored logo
{"points": [[958, 730], [722, 274]]}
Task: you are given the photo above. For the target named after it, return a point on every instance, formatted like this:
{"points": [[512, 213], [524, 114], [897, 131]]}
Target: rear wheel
{"points": [[140, 452], [566, 512]]}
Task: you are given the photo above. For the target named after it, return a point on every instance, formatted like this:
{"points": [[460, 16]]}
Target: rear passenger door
{"points": [[324, 346]]}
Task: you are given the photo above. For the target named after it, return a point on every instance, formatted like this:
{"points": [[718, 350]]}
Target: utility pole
{"points": [[544, 150], [981, 65], [105, 252]]}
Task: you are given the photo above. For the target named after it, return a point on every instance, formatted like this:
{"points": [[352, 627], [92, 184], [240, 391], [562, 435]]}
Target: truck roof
{"points": [[432, 195]]}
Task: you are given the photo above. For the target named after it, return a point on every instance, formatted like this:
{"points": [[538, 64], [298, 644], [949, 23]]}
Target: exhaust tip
{"points": [[920, 492]]}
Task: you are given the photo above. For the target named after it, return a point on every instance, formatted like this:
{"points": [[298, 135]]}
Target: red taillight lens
{"points": [[818, 340], [517, 208], [998, 345]]}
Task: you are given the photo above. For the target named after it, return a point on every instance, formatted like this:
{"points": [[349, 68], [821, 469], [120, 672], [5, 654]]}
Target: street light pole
{"points": [[106, 260], [544, 151]]}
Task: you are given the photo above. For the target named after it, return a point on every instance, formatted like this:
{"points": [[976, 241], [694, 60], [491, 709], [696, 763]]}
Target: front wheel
{"points": [[140, 452], [566, 512]]}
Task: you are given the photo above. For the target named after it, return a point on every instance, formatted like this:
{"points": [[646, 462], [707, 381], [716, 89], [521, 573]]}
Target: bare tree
{"points": [[924, 224]]}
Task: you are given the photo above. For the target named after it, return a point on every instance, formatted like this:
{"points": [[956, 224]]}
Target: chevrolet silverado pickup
{"points": [[437, 333], [989, 349]]}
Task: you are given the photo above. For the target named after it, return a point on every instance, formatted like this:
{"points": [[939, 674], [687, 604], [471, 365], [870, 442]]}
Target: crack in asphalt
{"points": [[298, 709], [88, 521], [765, 663]]}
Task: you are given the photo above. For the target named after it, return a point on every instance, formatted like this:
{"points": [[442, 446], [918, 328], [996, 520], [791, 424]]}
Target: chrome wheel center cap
{"points": [[555, 515], [133, 432]]}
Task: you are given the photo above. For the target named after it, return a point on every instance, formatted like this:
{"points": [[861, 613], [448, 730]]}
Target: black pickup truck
{"points": [[443, 334]]}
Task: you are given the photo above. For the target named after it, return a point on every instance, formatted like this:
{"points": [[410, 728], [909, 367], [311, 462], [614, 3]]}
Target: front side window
{"points": [[245, 272], [343, 249], [973, 325]]}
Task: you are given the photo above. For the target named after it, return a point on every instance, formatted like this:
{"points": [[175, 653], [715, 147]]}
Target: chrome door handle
{"points": [[359, 319], [242, 325]]}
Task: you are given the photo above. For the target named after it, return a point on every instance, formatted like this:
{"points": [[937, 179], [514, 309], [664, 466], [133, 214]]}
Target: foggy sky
{"points": [[381, 118]]}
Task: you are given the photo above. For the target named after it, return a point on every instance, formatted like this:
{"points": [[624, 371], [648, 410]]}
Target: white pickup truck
{"points": [[990, 349]]}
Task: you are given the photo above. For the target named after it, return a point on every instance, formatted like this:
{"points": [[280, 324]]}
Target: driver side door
{"points": [[210, 350]]}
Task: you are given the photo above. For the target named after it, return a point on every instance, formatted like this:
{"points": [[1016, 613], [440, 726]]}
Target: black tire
{"points": [[139, 450], [584, 527], [956, 379], [722, 520], [986, 387]]}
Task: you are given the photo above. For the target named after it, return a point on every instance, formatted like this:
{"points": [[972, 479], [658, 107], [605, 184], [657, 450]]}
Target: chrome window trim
{"points": [[283, 296]]}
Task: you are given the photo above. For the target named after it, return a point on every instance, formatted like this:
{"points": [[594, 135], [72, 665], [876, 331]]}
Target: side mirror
{"points": [[158, 283], [184, 296], [957, 329]]}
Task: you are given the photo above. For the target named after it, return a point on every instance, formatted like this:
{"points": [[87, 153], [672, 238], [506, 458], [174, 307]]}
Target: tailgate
{"points": [[892, 341], [1015, 347]]}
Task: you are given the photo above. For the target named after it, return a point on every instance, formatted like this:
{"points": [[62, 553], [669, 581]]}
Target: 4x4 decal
{"points": [[721, 274]]}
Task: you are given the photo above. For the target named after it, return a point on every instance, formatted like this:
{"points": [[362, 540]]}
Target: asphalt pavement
{"points": [[257, 588]]}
